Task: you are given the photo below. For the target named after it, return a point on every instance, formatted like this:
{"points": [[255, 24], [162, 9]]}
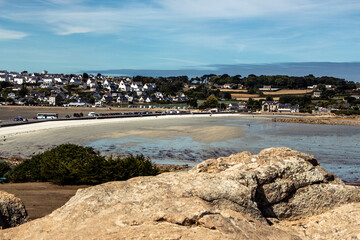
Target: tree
{"points": [[211, 102], [85, 77], [192, 103], [4, 168], [269, 98], [23, 91]]}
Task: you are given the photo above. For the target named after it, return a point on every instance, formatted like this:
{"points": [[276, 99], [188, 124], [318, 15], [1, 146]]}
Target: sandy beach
{"points": [[26, 140]]}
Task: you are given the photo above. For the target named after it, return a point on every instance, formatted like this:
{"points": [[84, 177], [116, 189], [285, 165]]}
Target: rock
{"points": [[339, 223], [236, 197], [12, 211]]}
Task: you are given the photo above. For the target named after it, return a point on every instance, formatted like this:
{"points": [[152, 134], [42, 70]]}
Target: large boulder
{"points": [[284, 183], [337, 224], [237, 197], [12, 211]]}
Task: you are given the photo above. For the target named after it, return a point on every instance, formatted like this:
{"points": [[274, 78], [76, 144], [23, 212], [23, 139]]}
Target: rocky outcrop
{"points": [[238, 197], [12, 211], [337, 224], [284, 183]]}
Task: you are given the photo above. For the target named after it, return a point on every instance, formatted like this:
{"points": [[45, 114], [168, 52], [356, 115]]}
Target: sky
{"points": [[197, 36]]}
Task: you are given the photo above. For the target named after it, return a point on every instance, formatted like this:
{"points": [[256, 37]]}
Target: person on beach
{"points": [[4, 139]]}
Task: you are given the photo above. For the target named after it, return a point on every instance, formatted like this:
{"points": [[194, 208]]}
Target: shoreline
{"points": [[193, 137], [327, 120], [58, 124], [26, 140]]}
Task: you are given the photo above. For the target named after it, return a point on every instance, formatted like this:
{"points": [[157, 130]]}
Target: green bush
{"points": [[27, 171], [73, 164], [346, 112], [4, 168]]}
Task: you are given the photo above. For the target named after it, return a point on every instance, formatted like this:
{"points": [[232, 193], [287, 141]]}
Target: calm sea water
{"points": [[335, 147]]}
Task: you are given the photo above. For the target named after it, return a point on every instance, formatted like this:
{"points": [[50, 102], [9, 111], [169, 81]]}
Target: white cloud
{"points": [[78, 16], [227, 9], [11, 35]]}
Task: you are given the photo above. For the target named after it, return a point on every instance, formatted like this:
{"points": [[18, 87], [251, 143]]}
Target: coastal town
{"points": [[179, 119], [210, 93]]}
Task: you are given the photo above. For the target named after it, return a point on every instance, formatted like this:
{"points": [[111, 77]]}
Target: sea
{"points": [[336, 147]]}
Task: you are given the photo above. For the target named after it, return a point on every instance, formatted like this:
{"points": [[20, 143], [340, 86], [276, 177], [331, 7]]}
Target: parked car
{"points": [[67, 116], [18, 119], [76, 115], [92, 114]]}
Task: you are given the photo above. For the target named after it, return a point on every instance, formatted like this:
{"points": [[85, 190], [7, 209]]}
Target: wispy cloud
{"points": [[11, 35], [198, 30], [229, 9], [78, 16]]}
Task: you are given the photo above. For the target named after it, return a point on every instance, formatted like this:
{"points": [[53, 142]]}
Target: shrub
{"points": [[346, 112], [27, 171], [73, 164], [4, 168], [129, 167]]}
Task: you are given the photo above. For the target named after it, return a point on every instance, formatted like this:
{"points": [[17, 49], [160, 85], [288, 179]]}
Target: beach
{"points": [[28, 139], [191, 139], [176, 140]]}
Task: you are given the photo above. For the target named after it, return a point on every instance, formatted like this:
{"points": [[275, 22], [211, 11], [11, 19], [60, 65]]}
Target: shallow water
{"points": [[336, 147]]}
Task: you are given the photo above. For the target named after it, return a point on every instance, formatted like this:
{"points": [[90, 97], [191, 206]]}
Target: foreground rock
{"points": [[339, 223], [238, 197], [12, 211]]}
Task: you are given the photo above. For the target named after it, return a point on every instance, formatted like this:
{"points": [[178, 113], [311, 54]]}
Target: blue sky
{"points": [[82, 35]]}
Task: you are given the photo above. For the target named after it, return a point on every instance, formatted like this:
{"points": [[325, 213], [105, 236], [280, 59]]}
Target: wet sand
{"points": [[26, 140]]}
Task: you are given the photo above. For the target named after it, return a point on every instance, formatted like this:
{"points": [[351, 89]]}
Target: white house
{"points": [[19, 80], [106, 83], [149, 99], [75, 81], [316, 94], [149, 87], [48, 80], [136, 86], [159, 95], [47, 84], [124, 86], [268, 88], [122, 99], [11, 95], [312, 87], [4, 78]]}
